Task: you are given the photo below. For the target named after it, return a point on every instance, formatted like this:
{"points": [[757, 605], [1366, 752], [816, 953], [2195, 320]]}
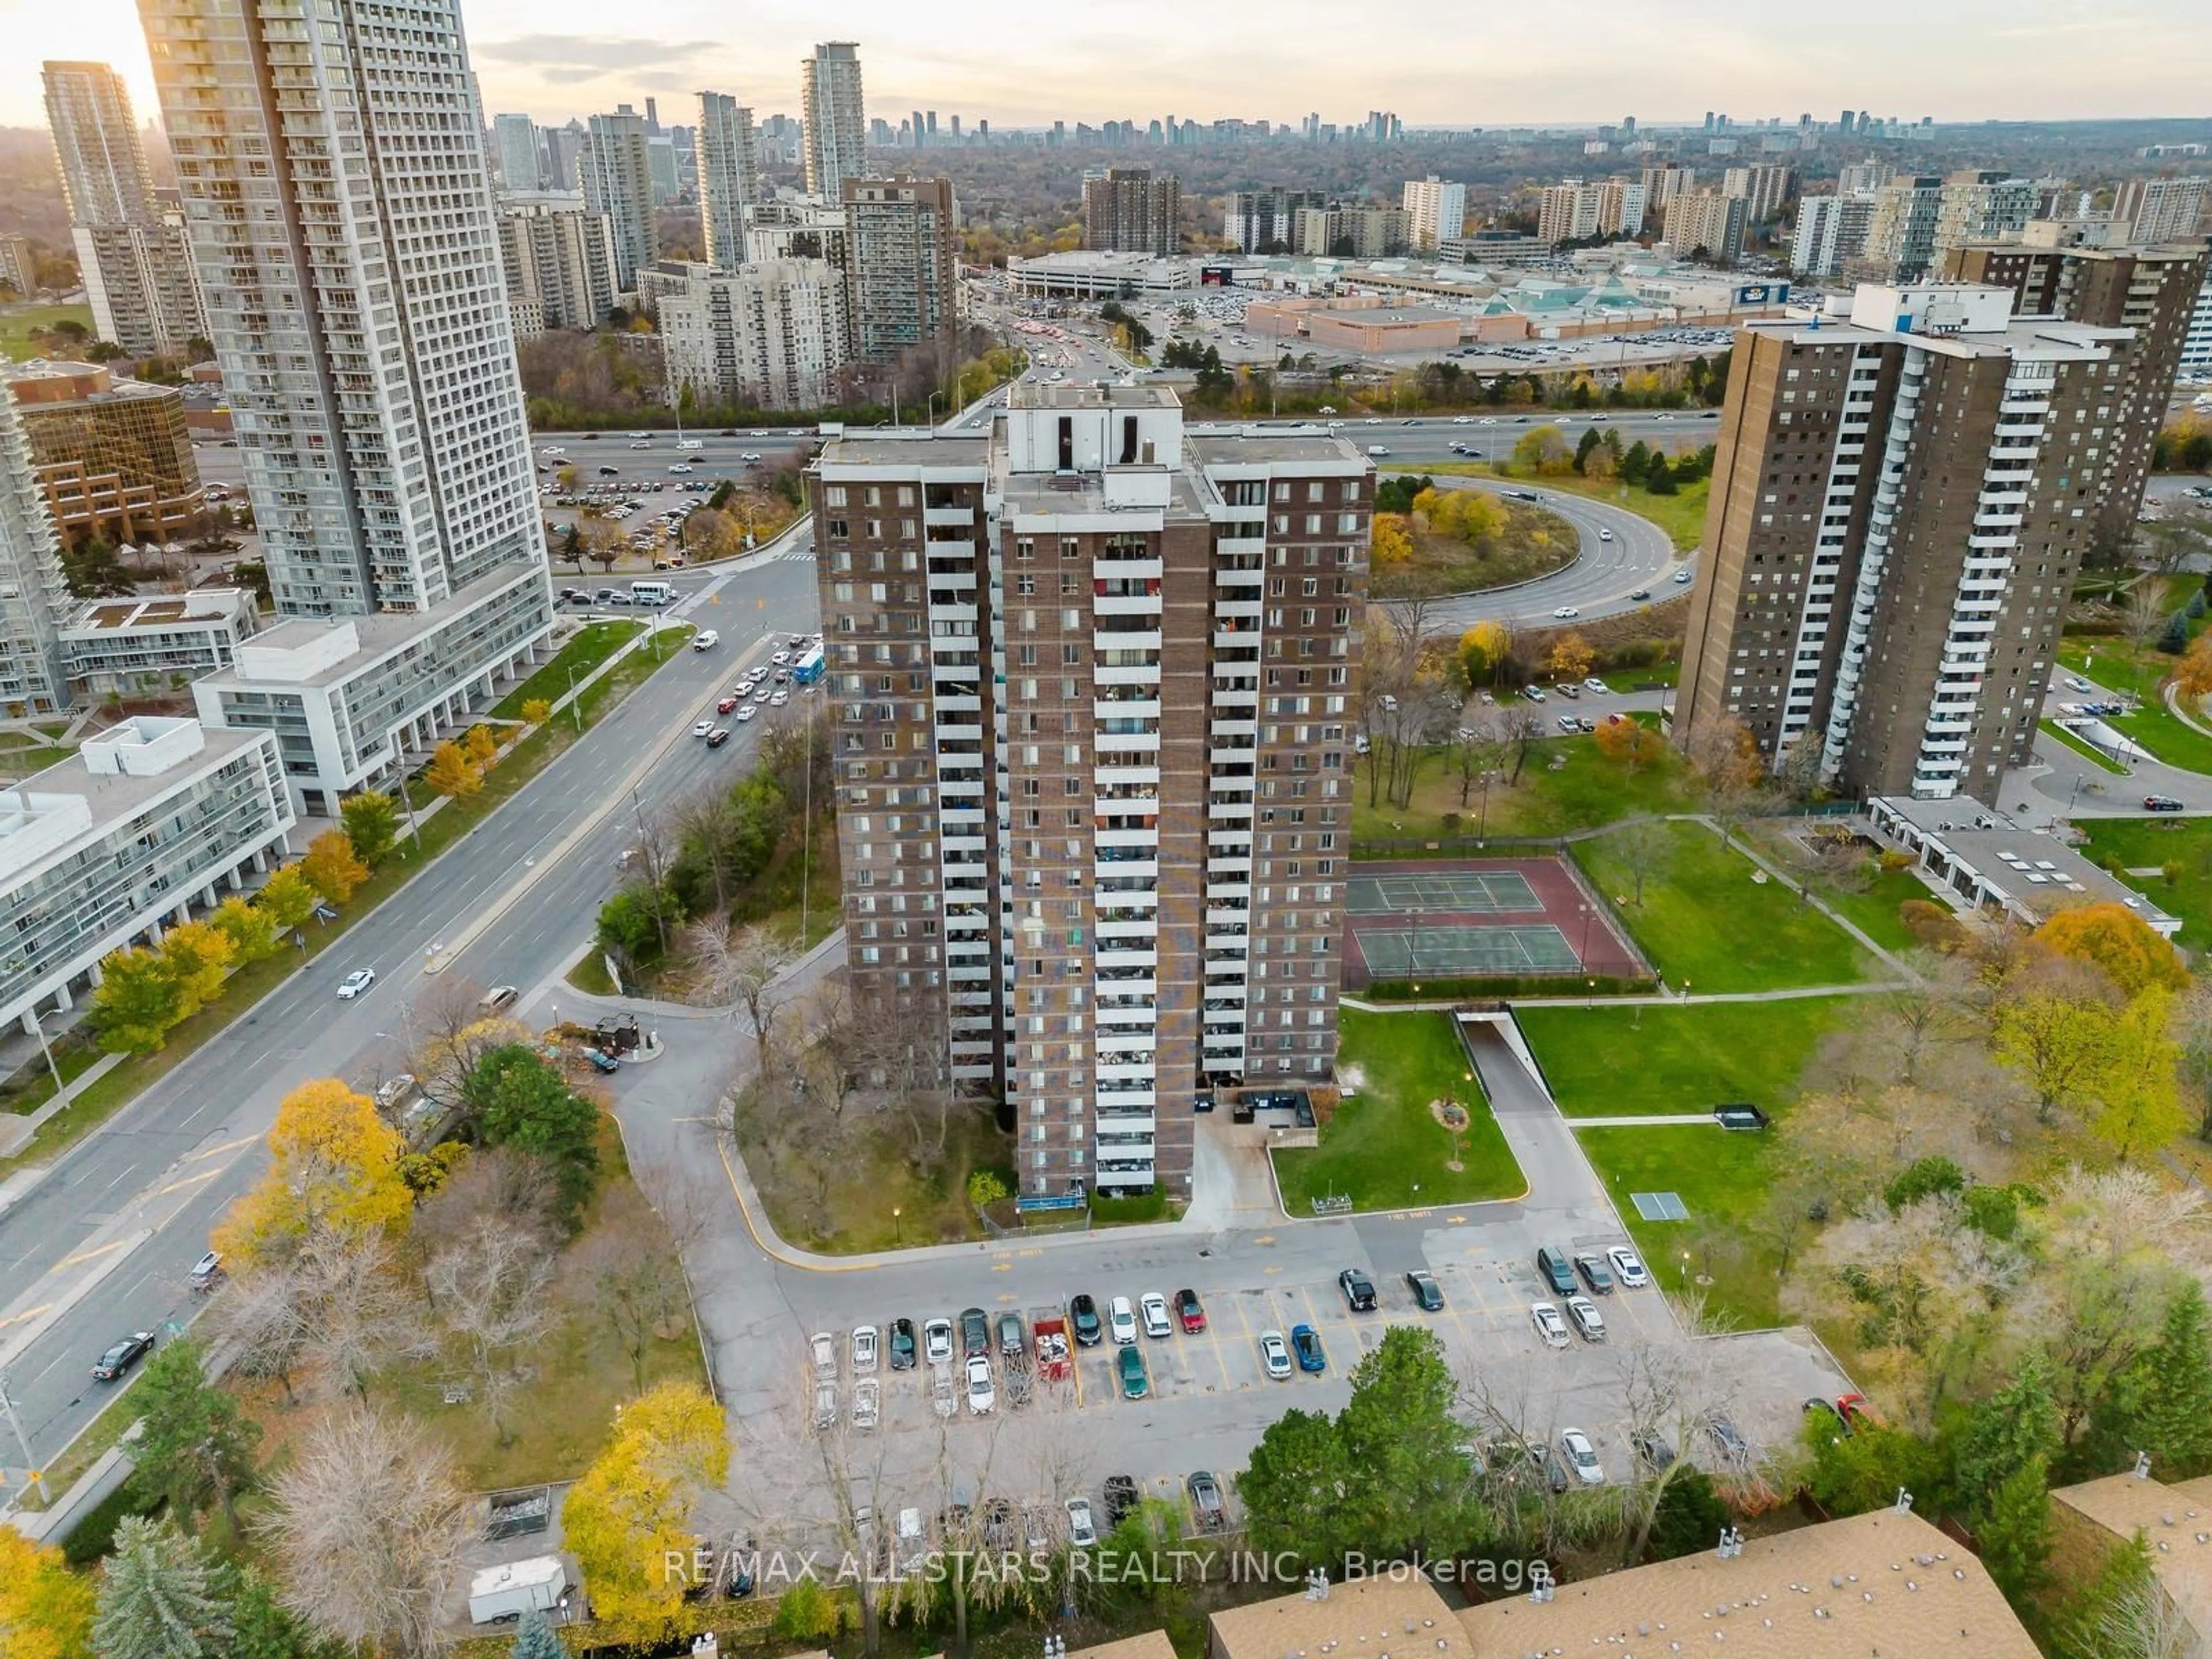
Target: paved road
{"points": [[137, 1198], [1622, 555]]}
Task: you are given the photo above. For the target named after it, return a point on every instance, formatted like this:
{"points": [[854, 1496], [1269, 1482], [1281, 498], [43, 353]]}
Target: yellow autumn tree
{"points": [[1630, 741], [332, 866], [45, 1609], [1483, 650], [635, 1505], [197, 954], [1392, 540], [2129, 951], [2192, 675], [288, 896], [480, 744], [535, 710], [333, 1163], [1571, 657], [450, 772], [1469, 515]]}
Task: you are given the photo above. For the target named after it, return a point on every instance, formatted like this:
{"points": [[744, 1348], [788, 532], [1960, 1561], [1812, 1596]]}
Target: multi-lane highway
{"points": [[132, 1204]]}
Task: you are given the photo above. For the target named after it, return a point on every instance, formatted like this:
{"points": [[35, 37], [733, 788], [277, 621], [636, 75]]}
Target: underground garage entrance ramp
{"points": [[1562, 1189]]}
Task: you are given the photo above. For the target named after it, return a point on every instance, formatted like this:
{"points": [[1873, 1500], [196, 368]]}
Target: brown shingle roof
{"points": [[1367, 1618], [2176, 1520], [1878, 1584]]}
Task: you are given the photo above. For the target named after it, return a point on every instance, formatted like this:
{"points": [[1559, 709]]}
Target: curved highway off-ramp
{"points": [[1597, 584]]}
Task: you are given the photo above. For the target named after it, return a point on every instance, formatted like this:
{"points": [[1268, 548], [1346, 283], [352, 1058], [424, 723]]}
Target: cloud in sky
{"points": [[1434, 62]]}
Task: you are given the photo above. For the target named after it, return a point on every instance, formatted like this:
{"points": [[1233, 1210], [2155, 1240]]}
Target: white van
{"points": [[707, 641], [691, 444]]}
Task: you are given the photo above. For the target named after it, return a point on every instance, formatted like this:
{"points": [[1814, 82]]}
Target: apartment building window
{"points": [[833, 495], [1024, 548]]}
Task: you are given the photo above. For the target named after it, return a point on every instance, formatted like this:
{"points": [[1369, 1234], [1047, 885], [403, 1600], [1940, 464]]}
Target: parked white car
{"points": [[867, 1403], [865, 1348], [1122, 1320], [981, 1395]]}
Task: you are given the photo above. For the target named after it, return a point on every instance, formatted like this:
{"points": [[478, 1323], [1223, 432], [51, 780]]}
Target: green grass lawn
{"points": [[18, 323], [1875, 910], [2183, 846], [1668, 1058], [1384, 1148], [1722, 1179], [1587, 791], [592, 645], [2098, 757], [1705, 921], [1635, 679]]}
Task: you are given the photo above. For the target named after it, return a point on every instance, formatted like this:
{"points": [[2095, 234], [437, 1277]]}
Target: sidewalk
{"points": [[17, 1130]]}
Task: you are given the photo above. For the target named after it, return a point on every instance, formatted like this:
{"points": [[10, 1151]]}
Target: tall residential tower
{"points": [[138, 275], [728, 166], [338, 199], [1090, 680], [1900, 502], [836, 117], [615, 167]]}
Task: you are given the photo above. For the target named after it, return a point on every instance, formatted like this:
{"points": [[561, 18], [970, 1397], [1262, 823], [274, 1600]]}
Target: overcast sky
{"points": [[1434, 62]]}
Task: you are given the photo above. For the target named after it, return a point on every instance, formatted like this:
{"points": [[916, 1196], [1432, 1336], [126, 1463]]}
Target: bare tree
{"points": [[743, 967], [350, 1305], [489, 1285], [1642, 850], [259, 1314], [1524, 730], [502, 1180], [445, 1059], [2144, 613], [366, 1526], [635, 1279]]}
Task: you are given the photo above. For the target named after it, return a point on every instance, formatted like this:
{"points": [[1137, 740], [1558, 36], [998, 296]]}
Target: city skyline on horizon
{"points": [[2052, 60]]}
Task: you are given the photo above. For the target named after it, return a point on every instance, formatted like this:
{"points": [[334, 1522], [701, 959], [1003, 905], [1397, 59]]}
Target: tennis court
{"points": [[1473, 892], [1523, 918], [1448, 950]]}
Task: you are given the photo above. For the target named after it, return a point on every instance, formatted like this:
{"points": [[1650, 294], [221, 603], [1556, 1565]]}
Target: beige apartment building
{"points": [[1902, 496], [1091, 677]]}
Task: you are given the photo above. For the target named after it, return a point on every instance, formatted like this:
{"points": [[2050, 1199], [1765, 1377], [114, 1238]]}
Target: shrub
{"points": [[1932, 924]]}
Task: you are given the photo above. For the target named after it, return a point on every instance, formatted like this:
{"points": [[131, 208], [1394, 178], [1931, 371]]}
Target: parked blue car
{"points": [[1306, 1343]]}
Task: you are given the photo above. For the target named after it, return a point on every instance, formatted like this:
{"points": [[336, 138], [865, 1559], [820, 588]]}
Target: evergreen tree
{"points": [[1633, 463], [1589, 441], [2173, 1390], [2015, 1428], [1659, 477], [193, 1447], [1690, 1516], [534, 1638], [2015, 1533], [161, 1597]]}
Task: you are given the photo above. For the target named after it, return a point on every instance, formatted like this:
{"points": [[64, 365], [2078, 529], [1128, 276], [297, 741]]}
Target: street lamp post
{"points": [[898, 1231], [574, 708], [932, 407], [23, 1441]]}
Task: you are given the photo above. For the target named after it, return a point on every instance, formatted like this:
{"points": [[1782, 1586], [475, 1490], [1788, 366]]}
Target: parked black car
{"points": [[1358, 1290], [903, 1349], [1121, 1497], [974, 1333], [1083, 1313]]}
